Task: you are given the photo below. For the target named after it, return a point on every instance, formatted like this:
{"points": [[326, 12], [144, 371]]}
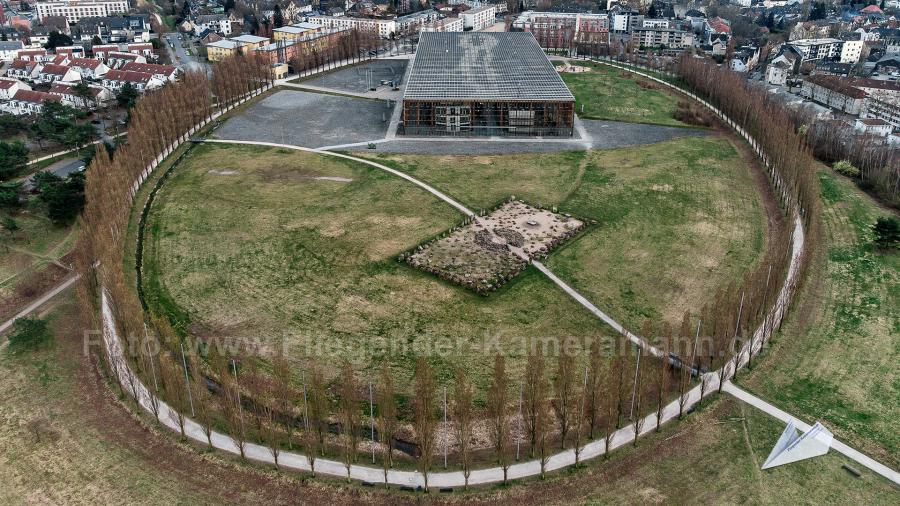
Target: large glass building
{"points": [[485, 84]]}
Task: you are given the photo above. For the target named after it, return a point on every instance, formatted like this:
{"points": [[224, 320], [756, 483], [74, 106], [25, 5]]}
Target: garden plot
{"points": [[487, 251]]}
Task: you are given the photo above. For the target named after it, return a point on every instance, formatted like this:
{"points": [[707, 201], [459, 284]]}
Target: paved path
{"points": [[708, 383], [785, 417], [40, 301], [430, 189], [67, 151], [393, 95]]}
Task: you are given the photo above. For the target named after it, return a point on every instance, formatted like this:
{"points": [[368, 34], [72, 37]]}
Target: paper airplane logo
{"points": [[792, 447]]}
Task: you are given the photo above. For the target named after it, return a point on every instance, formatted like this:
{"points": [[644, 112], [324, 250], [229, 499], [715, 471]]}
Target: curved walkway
{"points": [[592, 449], [709, 381]]}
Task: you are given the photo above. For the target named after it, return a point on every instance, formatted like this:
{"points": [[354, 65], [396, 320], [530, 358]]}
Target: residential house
{"points": [[219, 23], [144, 49], [39, 36], [99, 96], [9, 49], [834, 92], [777, 73], [385, 28], [27, 102], [744, 58], [23, 69], [71, 51], [884, 111], [221, 49], [89, 68], [444, 25], [9, 87], [141, 81], [116, 59], [295, 31], [662, 38], [101, 51], [51, 73], [74, 10], [162, 72], [873, 126], [34, 55], [884, 90]]}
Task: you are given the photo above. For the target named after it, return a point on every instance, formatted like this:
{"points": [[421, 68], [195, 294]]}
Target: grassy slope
{"points": [[606, 94], [715, 458], [52, 453], [267, 251], [676, 220], [31, 248], [836, 358]]}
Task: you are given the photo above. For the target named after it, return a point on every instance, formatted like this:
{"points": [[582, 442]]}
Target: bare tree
{"points": [[425, 420], [565, 385], [594, 387], [497, 401], [317, 406], [463, 416], [535, 395], [387, 417], [349, 414], [283, 395]]}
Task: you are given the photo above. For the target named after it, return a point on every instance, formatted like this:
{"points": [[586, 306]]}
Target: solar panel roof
{"points": [[501, 66]]}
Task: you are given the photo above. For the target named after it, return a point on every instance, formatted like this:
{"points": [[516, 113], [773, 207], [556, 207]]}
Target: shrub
{"points": [[887, 233], [28, 334], [845, 168]]}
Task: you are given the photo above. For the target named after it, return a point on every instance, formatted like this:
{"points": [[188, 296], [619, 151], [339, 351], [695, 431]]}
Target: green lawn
{"points": [[715, 457], [246, 243], [836, 358], [674, 221], [608, 93]]}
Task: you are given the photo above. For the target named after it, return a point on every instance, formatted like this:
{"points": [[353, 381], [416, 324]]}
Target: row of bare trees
{"points": [[831, 141], [158, 122], [580, 400], [552, 408]]}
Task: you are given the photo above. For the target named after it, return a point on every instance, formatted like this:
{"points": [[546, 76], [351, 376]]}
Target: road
{"points": [[61, 168], [179, 55]]}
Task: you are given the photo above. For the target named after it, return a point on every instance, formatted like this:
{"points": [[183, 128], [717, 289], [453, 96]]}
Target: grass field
{"points": [[246, 243], [836, 358], [675, 220], [606, 93], [26, 255]]}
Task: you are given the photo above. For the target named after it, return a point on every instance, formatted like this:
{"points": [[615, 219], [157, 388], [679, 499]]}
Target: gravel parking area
{"points": [[354, 78], [309, 119]]}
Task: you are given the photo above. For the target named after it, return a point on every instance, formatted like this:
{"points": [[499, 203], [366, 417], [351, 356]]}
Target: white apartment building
{"points": [[444, 25], [658, 23], [479, 18], [817, 49], [851, 50], [383, 27], [74, 10], [662, 37]]}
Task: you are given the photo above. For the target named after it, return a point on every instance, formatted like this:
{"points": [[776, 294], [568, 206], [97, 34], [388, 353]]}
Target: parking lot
{"points": [[308, 119], [361, 78]]}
